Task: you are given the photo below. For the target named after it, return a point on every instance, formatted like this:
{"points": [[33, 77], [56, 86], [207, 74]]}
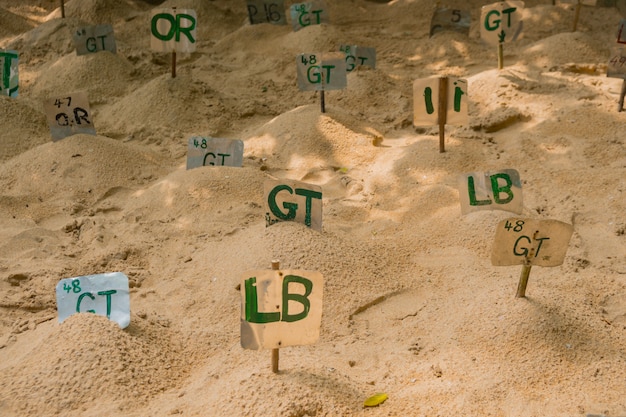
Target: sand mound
{"points": [[566, 47], [164, 103], [52, 38], [78, 166], [103, 363], [23, 127], [11, 25], [97, 12], [102, 75], [305, 137]]}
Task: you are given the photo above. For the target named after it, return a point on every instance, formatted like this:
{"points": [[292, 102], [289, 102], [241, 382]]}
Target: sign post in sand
{"points": [[266, 11], [449, 95], [203, 151], [450, 19], [69, 115], [9, 82], [617, 62], [321, 72], [530, 242], [173, 31], [501, 22], [307, 14], [358, 56], [280, 308], [293, 201]]}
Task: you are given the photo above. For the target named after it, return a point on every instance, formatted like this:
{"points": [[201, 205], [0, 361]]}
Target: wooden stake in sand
{"points": [[174, 54], [620, 104], [322, 101], [63, 9], [173, 30], [501, 22], [443, 112], [523, 281], [275, 352], [576, 15], [321, 72]]}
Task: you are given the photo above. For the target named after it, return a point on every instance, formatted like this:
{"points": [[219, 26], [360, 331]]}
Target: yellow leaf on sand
{"points": [[375, 400]]}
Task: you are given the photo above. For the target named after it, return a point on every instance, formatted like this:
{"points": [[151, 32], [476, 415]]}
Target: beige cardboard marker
{"points": [[287, 200], [501, 22], [530, 242], [173, 31], [69, 115], [280, 308], [497, 190], [440, 101]]}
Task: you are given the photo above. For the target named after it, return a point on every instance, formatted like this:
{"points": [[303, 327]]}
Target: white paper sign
{"points": [[501, 22], [358, 56], [533, 242], [93, 39], [173, 30], [69, 115], [307, 14], [498, 190], [102, 294], [8, 73], [293, 201], [203, 151], [280, 308], [318, 72], [426, 102]]}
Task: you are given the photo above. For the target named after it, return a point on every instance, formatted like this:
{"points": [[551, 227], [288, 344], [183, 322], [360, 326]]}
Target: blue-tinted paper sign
{"points": [[309, 13], [9, 73], [317, 72], [101, 294], [203, 151], [358, 56], [91, 39]]}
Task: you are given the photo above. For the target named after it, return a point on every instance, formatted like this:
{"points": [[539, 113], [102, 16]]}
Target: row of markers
{"points": [[284, 307]]}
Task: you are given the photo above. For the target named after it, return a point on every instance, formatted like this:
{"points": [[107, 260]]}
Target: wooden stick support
{"points": [[523, 281], [576, 16], [500, 56], [443, 110], [275, 354], [174, 64], [620, 105], [63, 9], [323, 101]]}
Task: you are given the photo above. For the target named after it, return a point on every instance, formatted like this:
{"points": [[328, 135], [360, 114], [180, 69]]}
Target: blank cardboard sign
{"points": [[280, 308], [521, 241]]}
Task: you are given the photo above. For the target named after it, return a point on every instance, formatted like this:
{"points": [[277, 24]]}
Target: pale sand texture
{"points": [[412, 305]]}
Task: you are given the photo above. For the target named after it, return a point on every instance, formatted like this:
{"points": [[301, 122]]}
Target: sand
{"points": [[413, 306]]}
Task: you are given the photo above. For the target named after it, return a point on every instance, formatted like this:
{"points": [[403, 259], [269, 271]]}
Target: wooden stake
{"points": [[443, 110], [620, 105], [275, 354], [523, 281], [63, 9], [500, 56], [174, 64], [576, 16], [322, 101]]}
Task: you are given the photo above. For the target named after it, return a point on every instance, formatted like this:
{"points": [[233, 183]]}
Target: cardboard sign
{"points": [[307, 14], [214, 152], [9, 73], [317, 72], [617, 62], [426, 99], [293, 201], [69, 115], [93, 39], [498, 190], [450, 19], [101, 294], [267, 11], [501, 22], [531, 242], [358, 56], [173, 30], [280, 308], [621, 31]]}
